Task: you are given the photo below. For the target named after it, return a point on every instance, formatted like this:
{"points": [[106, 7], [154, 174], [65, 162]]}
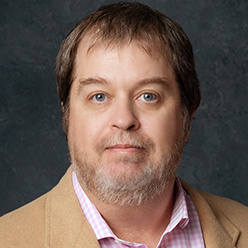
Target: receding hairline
{"points": [[92, 39]]}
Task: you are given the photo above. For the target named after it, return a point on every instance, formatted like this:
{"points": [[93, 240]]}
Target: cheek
{"points": [[85, 129], [163, 129]]}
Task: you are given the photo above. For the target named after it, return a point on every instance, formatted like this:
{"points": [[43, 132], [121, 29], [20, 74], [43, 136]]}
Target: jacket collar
{"points": [[217, 230]]}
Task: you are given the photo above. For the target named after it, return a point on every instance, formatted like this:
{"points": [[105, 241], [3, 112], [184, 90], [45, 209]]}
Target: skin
{"points": [[119, 90]]}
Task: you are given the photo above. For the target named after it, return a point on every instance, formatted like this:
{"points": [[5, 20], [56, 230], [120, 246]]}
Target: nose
{"points": [[123, 116]]}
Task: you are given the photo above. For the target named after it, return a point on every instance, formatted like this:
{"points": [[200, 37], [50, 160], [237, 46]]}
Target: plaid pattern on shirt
{"points": [[184, 229]]}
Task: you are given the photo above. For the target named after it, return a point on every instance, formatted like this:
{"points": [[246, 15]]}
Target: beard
{"points": [[126, 179]]}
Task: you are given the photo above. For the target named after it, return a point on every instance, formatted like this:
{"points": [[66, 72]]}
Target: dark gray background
{"points": [[33, 152]]}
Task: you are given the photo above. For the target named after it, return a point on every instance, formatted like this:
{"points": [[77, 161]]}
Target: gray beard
{"points": [[149, 181]]}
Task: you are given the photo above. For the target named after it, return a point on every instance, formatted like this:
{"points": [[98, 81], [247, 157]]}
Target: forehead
{"points": [[153, 46], [133, 56]]}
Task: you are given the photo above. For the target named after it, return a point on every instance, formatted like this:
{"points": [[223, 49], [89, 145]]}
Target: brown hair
{"points": [[125, 22]]}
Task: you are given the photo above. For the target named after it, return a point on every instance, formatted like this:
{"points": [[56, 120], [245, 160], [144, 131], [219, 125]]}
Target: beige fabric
{"points": [[56, 220]]}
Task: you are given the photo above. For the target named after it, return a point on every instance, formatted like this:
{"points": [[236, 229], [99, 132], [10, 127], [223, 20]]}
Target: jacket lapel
{"points": [[66, 225], [217, 230]]}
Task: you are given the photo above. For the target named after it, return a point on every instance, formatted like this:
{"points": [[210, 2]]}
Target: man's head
{"points": [[123, 23], [128, 88]]}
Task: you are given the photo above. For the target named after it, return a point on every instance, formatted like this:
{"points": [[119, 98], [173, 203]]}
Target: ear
{"points": [[186, 137], [65, 117], [190, 121], [62, 106]]}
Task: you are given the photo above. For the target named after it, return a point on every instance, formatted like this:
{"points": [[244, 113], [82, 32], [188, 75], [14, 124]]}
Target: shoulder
{"points": [[233, 210], [229, 206], [35, 222], [28, 221], [217, 203], [220, 212]]}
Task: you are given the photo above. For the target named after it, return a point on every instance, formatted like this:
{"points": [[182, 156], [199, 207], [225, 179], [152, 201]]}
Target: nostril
{"points": [[131, 127]]}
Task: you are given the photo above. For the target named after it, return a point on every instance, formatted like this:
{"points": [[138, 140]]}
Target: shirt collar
{"points": [[179, 216]]}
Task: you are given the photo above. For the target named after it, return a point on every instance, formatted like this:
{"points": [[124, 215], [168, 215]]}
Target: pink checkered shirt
{"points": [[184, 229]]}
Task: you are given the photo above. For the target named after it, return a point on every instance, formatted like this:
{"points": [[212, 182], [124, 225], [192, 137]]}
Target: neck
{"points": [[140, 224]]}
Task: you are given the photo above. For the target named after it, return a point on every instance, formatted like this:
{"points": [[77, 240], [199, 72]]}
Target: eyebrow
{"points": [[163, 81], [155, 80], [90, 81]]}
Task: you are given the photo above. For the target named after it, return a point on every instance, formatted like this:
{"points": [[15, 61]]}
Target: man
{"points": [[128, 88]]}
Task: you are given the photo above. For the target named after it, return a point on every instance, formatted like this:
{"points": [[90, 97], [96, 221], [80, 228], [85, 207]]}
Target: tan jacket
{"points": [[56, 220]]}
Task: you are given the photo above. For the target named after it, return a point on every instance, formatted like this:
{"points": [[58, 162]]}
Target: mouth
{"points": [[123, 148]]}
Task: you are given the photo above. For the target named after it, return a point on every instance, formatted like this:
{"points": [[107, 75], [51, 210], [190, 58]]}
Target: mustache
{"points": [[127, 138]]}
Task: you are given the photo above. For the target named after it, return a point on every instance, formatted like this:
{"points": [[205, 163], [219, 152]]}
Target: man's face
{"points": [[126, 130]]}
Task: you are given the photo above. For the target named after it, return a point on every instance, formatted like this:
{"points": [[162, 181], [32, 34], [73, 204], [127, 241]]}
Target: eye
{"points": [[148, 97], [99, 97]]}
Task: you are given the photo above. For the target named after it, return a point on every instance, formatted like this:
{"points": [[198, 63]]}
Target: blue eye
{"points": [[99, 97], [148, 97]]}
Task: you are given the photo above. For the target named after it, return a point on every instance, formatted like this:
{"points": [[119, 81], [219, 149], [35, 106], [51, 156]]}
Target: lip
{"points": [[123, 148]]}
